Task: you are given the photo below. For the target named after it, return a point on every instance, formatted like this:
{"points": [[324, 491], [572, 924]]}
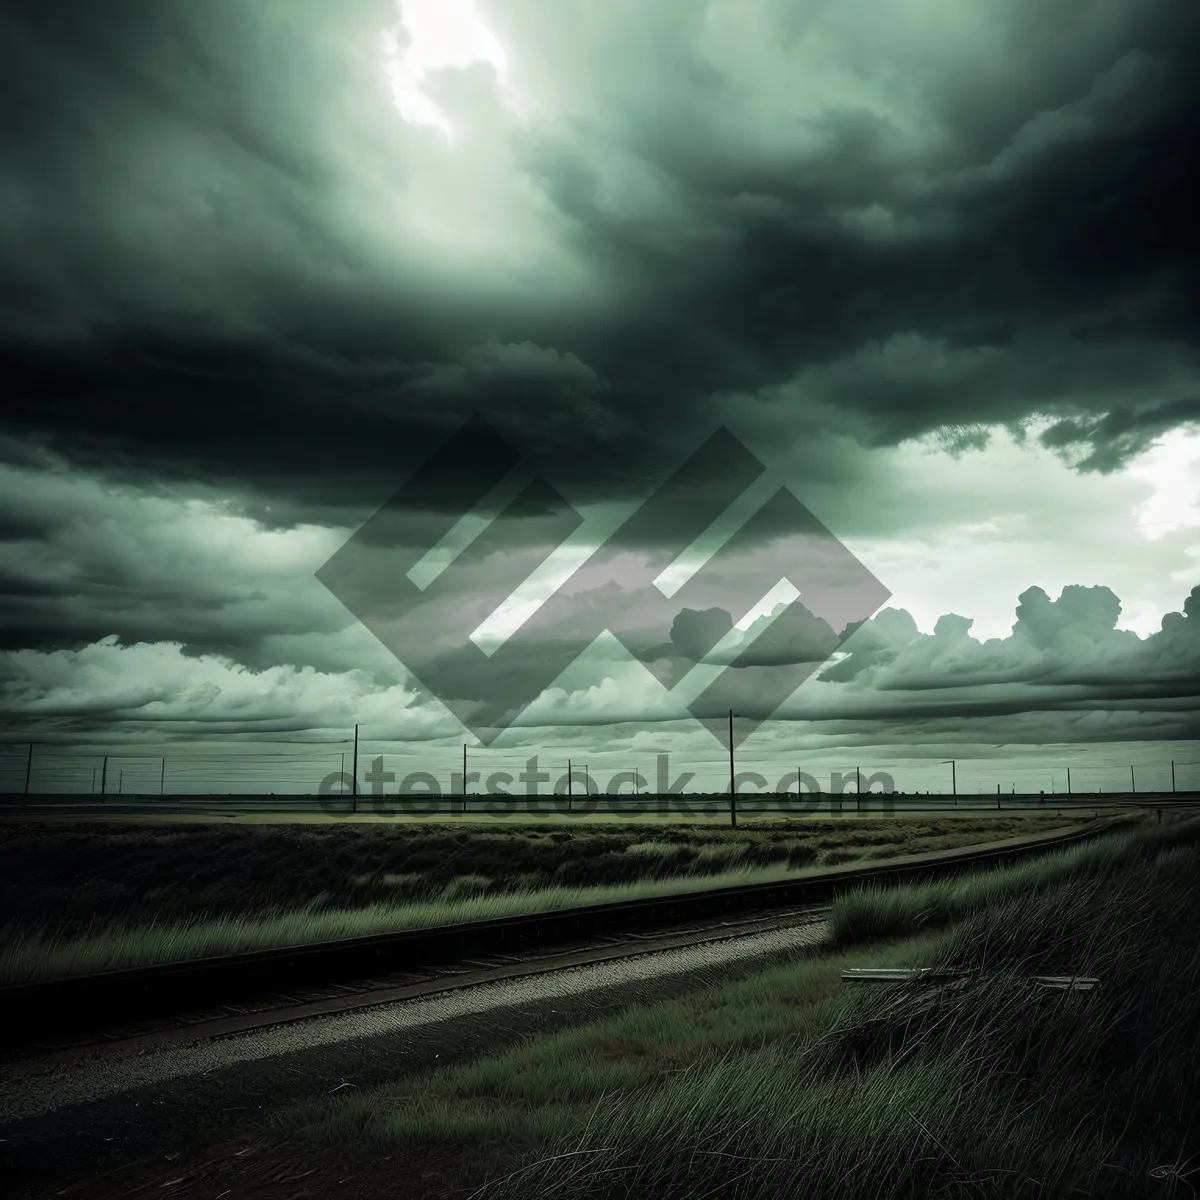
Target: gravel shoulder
{"points": [[63, 1124]]}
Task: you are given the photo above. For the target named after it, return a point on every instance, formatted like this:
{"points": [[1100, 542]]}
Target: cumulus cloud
{"points": [[1064, 664], [154, 688], [1063, 655]]}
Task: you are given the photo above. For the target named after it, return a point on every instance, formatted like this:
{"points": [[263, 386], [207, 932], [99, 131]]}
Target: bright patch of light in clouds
{"points": [[431, 36], [1031, 520], [1172, 468]]}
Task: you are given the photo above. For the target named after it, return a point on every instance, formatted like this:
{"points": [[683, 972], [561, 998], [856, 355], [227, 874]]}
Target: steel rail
{"points": [[283, 1009]]}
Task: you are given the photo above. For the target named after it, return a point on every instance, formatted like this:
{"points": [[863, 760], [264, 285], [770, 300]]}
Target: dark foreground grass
{"points": [[787, 1085], [94, 898], [875, 911]]}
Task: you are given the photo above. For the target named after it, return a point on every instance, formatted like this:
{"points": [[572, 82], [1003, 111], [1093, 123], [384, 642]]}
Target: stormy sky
{"points": [[926, 266]]}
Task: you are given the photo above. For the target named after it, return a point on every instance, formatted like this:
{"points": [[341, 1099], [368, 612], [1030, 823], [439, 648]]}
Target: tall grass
{"points": [[998, 1092], [503, 1096], [786, 1085], [875, 911], [27, 955], [498, 875], [122, 872]]}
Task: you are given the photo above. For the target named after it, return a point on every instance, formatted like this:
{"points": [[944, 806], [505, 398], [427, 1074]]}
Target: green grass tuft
{"points": [[788, 1084]]}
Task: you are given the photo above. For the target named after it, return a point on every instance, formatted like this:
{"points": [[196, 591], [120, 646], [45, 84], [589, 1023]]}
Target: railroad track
{"points": [[143, 1008], [281, 1008]]}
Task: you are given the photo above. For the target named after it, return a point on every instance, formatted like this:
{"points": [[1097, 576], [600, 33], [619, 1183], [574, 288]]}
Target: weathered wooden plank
{"points": [[884, 975], [1067, 983], [896, 974]]}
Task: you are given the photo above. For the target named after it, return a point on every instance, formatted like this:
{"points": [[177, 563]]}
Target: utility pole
{"points": [[354, 781], [162, 778], [732, 777], [1172, 775], [463, 802], [120, 781], [104, 776], [1068, 781], [858, 789], [29, 769], [1132, 782], [570, 785], [953, 777]]}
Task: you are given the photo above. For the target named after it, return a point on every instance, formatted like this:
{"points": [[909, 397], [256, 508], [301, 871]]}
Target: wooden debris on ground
{"points": [[933, 986], [946, 978]]}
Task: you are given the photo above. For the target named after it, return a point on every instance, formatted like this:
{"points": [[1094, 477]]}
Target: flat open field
{"points": [[650, 811], [788, 1083], [83, 897]]}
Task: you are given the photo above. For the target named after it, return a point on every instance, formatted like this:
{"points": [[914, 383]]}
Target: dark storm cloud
{"points": [[233, 281], [199, 284]]}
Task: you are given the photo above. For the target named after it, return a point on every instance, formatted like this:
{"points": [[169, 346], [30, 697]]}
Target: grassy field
{"points": [[219, 889], [749, 817], [787, 1084]]}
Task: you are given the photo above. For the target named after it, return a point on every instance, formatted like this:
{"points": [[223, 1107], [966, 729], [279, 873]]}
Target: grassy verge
{"points": [[788, 1085], [30, 955], [217, 891], [876, 911]]}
